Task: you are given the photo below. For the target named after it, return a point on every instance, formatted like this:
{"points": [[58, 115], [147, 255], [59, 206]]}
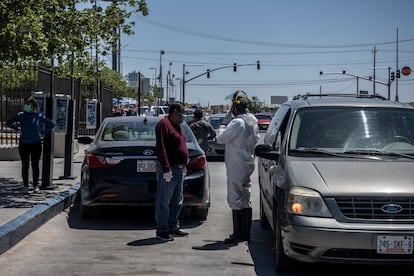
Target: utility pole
{"points": [[396, 68], [116, 48], [373, 75], [160, 77]]}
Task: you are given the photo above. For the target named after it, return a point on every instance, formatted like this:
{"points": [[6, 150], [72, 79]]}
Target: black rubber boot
{"points": [[247, 225], [234, 238]]}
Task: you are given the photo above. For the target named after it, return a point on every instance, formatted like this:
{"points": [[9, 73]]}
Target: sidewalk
{"points": [[21, 214]]}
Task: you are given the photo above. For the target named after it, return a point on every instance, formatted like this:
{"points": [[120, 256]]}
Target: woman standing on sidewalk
{"points": [[32, 126]]}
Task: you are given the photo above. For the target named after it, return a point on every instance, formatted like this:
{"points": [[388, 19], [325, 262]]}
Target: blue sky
{"points": [[293, 40]]}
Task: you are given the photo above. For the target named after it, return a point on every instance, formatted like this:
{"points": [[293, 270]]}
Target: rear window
{"points": [[263, 117], [216, 122], [129, 131], [135, 131]]}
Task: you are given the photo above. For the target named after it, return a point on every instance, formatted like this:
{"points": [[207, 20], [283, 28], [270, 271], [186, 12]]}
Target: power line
{"points": [[263, 43]]}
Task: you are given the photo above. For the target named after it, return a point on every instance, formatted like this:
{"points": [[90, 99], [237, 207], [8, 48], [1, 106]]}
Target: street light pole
{"points": [[161, 53], [168, 82], [183, 85]]}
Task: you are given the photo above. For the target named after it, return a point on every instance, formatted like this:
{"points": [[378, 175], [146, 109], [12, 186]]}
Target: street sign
{"points": [[406, 70]]}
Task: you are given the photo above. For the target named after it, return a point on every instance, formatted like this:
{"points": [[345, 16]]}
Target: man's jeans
{"points": [[169, 199]]}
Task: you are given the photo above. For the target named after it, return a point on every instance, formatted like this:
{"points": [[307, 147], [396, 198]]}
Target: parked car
{"points": [[336, 181], [160, 110], [263, 120], [119, 167], [216, 149]]}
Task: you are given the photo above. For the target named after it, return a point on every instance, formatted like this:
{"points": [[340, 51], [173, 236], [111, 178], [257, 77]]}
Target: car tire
{"points": [[282, 263], [199, 213], [87, 212], [264, 222]]}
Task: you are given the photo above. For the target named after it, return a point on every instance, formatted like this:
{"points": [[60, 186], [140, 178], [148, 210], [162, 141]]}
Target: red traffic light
{"points": [[406, 70]]}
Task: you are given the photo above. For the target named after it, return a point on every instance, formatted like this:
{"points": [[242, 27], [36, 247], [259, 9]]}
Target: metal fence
{"points": [[19, 82]]}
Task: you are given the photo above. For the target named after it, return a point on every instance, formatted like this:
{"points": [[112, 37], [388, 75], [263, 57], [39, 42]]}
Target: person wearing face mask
{"points": [[172, 153], [31, 125], [239, 137]]}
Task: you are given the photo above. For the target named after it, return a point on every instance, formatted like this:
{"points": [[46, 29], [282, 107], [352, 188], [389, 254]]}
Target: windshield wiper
{"points": [[353, 154], [379, 152], [316, 150]]}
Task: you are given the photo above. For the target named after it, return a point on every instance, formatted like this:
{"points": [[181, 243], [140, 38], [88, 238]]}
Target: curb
{"points": [[15, 230]]}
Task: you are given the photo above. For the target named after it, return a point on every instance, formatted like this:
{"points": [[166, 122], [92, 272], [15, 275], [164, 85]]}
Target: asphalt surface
{"points": [[21, 214]]}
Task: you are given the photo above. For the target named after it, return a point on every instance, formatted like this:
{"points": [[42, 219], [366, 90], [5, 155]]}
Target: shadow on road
{"points": [[122, 218]]}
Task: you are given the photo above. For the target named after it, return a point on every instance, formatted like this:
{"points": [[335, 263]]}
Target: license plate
{"points": [[395, 244], [145, 166]]}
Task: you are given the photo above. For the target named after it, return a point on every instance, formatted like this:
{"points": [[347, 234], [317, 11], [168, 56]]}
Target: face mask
{"points": [[182, 118], [27, 108]]}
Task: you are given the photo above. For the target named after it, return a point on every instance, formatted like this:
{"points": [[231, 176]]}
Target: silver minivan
{"points": [[336, 176]]}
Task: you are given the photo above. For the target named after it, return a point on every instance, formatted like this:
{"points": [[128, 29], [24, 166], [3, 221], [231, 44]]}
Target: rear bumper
{"points": [[196, 191]]}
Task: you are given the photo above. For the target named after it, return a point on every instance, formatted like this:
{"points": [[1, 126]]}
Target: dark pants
{"points": [[30, 152]]}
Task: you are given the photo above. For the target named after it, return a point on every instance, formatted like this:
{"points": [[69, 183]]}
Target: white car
{"points": [[216, 149], [160, 110]]}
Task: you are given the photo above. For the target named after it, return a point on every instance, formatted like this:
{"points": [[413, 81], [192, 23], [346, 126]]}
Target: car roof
{"points": [[342, 100], [117, 119]]}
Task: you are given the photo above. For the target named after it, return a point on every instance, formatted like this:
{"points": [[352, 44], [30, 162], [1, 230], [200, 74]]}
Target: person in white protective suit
{"points": [[240, 137]]}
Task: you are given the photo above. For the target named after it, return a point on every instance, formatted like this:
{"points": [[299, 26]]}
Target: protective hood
{"points": [[249, 118]]}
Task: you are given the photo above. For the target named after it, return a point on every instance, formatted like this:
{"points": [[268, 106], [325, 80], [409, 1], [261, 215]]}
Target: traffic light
{"points": [[398, 74], [208, 73], [234, 67], [392, 77], [258, 65]]}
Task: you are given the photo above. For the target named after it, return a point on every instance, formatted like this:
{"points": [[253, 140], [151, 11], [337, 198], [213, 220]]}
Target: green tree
{"points": [[46, 31]]}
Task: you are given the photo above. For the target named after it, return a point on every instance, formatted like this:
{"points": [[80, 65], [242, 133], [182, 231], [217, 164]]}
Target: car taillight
{"points": [[197, 163], [96, 161]]}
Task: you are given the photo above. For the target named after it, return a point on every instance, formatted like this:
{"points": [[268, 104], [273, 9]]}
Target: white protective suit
{"points": [[240, 138]]}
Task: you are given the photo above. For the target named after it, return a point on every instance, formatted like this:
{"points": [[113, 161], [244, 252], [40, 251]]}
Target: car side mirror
{"points": [[266, 151]]}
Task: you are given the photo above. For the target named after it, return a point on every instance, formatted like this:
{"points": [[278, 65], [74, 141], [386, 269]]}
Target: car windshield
{"points": [[353, 130]]}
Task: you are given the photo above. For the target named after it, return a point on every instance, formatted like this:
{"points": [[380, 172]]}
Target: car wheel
{"points": [[282, 263], [86, 212], [199, 213], [264, 222]]}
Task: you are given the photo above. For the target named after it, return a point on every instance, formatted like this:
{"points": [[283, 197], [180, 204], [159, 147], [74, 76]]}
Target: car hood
{"points": [[362, 177]]}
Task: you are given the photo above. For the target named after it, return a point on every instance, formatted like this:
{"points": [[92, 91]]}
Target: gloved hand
{"points": [[168, 176]]}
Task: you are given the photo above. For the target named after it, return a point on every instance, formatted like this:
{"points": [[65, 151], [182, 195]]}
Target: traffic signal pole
{"points": [[234, 65], [360, 77]]}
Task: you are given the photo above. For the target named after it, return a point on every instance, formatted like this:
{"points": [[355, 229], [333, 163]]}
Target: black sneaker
{"points": [[178, 233], [164, 237]]}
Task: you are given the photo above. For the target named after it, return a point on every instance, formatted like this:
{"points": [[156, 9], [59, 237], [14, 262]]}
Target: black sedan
{"points": [[119, 168]]}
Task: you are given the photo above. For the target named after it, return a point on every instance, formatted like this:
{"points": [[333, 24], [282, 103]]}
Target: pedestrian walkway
{"points": [[21, 214]]}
